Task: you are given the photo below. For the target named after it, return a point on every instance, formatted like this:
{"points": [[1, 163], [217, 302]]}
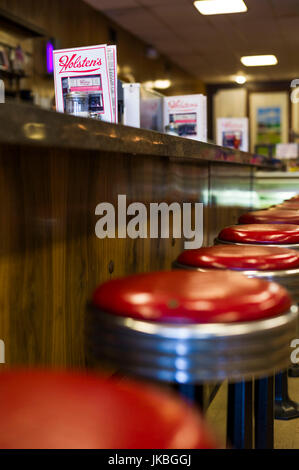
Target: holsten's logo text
{"points": [[71, 63], [158, 218], [178, 103]]}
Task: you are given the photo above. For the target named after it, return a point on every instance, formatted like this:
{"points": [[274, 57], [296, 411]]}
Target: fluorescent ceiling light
{"points": [[149, 84], [240, 79], [257, 60], [218, 7]]}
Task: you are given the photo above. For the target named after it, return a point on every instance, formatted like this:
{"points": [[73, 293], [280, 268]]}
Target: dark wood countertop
{"points": [[29, 125]]}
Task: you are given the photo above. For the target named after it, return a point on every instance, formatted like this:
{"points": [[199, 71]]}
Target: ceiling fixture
{"points": [[240, 79], [219, 7], [149, 85], [162, 84], [259, 60]]}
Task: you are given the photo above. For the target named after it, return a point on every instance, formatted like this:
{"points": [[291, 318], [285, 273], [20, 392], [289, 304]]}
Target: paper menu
{"points": [[233, 133], [112, 70], [92, 70], [287, 151], [131, 104], [142, 107], [189, 112]]}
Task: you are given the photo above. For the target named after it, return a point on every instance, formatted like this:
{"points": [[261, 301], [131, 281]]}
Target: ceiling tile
{"points": [[285, 7], [110, 5], [152, 3], [256, 9], [210, 47]]}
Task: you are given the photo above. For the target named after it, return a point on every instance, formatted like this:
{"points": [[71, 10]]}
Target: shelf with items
{"points": [[11, 75], [21, 28]]}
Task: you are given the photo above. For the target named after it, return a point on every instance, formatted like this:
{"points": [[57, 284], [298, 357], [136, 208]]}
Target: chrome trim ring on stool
{"points": [[193, 353], [291, 246]]}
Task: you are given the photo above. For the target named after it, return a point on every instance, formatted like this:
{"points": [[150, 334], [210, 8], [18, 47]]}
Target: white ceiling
{"points": [[210, 47]]}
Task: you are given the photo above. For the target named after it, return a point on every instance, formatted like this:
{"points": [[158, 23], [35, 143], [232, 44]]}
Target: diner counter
{"points": [[54, 171], [24, 124]]}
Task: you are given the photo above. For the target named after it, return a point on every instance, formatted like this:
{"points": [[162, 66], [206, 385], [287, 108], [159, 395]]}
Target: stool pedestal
{"points": [[293, 371], [285, 408], [239, 415], [264, 413]]}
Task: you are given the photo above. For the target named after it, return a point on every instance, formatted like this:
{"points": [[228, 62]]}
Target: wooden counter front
{"points": [[54, 170]]}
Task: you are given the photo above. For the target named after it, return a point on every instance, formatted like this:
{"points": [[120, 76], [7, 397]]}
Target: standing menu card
{"points": [[233, 133], [92, 70], [189, 112]]}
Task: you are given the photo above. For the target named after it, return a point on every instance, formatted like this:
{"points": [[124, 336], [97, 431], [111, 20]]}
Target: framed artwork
{"points": [[268, 125], [269, 118]]}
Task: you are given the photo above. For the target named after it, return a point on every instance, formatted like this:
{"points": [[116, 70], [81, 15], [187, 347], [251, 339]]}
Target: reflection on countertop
{"points": [[23, 124]]}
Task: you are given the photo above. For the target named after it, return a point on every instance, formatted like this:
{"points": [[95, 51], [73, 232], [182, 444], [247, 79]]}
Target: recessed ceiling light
{"points": [[162, 84], [240, 79], [258, 60], [218, 7], [149, 84]]}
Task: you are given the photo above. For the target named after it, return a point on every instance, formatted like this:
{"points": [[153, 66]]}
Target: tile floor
{"points": [[286, 432]]}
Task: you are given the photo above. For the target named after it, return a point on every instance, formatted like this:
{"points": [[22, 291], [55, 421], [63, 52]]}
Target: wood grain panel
{"points": [[51, 259], [230, 195]]}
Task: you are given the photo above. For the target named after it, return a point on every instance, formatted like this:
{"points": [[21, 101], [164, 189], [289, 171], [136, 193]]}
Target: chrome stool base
{"points": [[264, 413], [192, 393], [239, 415]]}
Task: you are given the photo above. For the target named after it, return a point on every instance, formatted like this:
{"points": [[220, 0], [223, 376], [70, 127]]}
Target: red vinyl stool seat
{"points": [[274, 263], [178, 297], [293, 205], [280, 241], [241, 258], [56, 410], [270, 216], [261, 234]]}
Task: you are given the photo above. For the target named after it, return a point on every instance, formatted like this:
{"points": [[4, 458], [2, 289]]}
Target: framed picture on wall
{"points": [[269, 129], [269, 120]]}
